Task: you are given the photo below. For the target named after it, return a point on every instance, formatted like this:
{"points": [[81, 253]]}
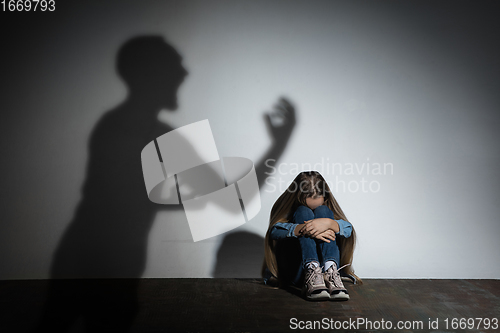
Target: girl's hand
{"points": [[316, 226], [326, 236]]}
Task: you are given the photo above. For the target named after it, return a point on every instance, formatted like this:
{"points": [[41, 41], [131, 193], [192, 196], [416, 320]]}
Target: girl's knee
{"points": [[323, 211], [304, 209], [302, 214]]}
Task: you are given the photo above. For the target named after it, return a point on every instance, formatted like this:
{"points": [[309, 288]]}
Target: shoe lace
{"points": [[334, 275], [314, 273]]}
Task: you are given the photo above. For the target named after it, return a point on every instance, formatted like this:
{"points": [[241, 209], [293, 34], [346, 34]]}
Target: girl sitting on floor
{"points": [[309, 240]]}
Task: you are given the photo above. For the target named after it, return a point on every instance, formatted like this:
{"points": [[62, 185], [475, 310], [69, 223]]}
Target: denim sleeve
{"points": [[283, 230], [345, 228]]}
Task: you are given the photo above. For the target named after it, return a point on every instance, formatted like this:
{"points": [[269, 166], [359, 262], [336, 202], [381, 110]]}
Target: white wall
{"points": [[407, 83]]}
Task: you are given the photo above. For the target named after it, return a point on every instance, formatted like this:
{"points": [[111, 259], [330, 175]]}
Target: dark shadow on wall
{"points": [[107, 237], [239, 256]]}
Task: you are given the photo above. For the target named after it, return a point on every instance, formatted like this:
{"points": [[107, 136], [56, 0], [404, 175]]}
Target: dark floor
{"points": [[241, 305]]}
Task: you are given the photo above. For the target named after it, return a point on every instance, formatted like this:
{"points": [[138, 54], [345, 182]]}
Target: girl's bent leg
{"points": [[307, 245], [322, 212], [329, 251], [309, 251], [314, 284], [303, 214]]}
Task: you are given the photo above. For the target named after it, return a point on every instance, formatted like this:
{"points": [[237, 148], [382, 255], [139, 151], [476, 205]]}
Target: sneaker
{"points": [[334, 284], [314, 285]]}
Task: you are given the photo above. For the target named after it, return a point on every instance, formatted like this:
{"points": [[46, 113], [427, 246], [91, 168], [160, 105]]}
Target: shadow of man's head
{"points": [[152, 70], [108, 234]]}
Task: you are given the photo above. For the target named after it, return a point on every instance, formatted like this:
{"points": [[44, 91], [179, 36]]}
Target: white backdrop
{"points": [[413, 85]]}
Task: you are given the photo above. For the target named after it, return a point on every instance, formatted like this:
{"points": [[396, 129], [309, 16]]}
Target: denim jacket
{"points": [[287, 229]]}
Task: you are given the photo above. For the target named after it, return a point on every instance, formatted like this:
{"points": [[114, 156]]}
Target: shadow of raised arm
{"points": [[280, 125]]}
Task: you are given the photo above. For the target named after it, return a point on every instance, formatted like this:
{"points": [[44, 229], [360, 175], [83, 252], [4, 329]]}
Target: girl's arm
{"points": [[345, 228], [326, 235], [316, 226], [283, 230]]}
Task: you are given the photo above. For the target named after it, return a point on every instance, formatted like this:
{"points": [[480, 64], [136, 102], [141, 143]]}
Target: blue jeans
{"points": [[305, 248]]}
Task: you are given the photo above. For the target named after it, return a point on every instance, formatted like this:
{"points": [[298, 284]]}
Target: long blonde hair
{"points": [[306, 184]]}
